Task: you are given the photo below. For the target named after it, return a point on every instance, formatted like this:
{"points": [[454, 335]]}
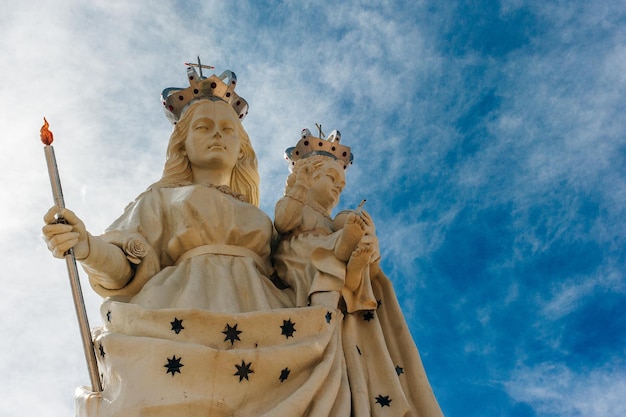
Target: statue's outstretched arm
{"points": [[288, 210], [104, 262]]}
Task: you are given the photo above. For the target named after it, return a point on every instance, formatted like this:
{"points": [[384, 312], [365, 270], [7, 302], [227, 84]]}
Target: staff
{"points": [[70, 260]]}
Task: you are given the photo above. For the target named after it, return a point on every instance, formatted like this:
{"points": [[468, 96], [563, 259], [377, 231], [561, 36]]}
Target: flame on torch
{"points": [[46, 136]]}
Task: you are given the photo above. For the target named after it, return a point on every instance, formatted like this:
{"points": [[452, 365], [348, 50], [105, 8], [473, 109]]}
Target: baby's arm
{"points": [[288, 213], [288, 210]]}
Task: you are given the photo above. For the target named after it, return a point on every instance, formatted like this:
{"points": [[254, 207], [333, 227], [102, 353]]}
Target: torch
{"points": [[70, 260]]}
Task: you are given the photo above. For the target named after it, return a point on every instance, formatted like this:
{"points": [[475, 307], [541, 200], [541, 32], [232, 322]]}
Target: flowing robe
{"points": [[200, 330], [383, 364]]}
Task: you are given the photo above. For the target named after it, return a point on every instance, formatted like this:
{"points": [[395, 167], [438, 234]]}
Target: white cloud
{"points": [[553, 389], [568, 296], [96, 70]]}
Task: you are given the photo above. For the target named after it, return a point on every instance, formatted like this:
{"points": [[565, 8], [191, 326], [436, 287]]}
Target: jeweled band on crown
{"points": [[175, 100], [309, 145]]}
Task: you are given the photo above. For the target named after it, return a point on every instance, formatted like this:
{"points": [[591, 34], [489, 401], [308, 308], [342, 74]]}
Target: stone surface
{"points": [[194, 323]]}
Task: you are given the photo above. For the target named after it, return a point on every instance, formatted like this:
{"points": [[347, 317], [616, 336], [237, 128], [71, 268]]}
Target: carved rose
{"points": [[135, 250]]}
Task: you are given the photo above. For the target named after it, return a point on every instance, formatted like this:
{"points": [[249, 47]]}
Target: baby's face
{"points": [[329, 180]]}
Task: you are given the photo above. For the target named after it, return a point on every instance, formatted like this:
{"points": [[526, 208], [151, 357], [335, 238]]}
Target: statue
{"points": [[194, 323], [320, 257]]}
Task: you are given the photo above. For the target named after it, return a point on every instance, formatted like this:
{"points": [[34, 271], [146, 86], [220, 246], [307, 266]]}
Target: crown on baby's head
{"points": [[175, 100], [310, 145]]}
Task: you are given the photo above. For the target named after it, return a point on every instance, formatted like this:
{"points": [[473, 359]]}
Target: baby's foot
{"points": [[353, 232], [358, 261], [361, 256]]}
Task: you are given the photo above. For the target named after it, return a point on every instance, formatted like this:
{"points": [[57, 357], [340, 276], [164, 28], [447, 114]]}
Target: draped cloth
{"points": [[207, 333], [186, 362], [385, 372]]}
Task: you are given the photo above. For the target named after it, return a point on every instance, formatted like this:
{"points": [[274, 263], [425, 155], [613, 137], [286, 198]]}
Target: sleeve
{"points": [[330, 274], [138, 232]]}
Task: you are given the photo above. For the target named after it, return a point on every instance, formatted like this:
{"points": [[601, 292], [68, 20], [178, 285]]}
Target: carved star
{"points": [[243, 371], [173, 365], [329, 316], [289, 328], [232, 334], [284, 374], [399, 370], [379, 303], [109, 315], [383, 401], [367, 316], [101, 348], [177, 325]]}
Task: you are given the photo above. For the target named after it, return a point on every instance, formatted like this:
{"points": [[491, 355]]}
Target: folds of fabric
{"points": [[181, 362], [384, 366]]}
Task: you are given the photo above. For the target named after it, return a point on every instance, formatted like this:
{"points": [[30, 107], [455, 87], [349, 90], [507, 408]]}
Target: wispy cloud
{"points": [[553, 389], [489, 141]]}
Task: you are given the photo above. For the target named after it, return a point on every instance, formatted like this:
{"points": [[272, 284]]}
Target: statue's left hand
{"points": [[370, 237], [370, 228], [60, 237]]}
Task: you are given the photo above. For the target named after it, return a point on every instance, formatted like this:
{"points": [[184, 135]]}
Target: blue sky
{"points": [[489, 140]]}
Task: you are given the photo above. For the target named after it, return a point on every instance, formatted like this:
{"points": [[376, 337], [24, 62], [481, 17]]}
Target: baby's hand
{"points": [[370, 228], [305, 173]]}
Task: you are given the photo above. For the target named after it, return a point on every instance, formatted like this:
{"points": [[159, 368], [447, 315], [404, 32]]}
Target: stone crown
{"points": [[176, 100], [309, 145]]}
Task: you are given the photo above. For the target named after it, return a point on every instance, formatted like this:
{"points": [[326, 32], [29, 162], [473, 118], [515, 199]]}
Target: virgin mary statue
{"points": [[194, 322]]}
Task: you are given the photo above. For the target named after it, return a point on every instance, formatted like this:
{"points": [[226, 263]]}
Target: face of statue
{"points": [[212, 140], [328, 182]]}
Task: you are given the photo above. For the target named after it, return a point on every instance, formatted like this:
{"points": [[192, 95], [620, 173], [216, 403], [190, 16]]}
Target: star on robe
{"points": [[284, 374], [109, 316], [173, 365], [329, 317], [367, 316], [379, 303], [383, 401], [101, 348], [288, 328], [243, 371], [399, 370], [177, 325], [232, 334]]}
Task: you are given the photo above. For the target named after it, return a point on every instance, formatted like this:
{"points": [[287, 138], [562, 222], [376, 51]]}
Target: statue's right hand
{"points": [[306, 171], [304, 176], [71, 233]]}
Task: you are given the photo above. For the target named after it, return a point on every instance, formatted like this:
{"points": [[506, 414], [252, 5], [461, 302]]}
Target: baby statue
{"points": [[321, 258]]}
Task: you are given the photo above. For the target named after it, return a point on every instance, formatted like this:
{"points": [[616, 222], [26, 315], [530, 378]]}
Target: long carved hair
{"points": [[177, 170]]}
